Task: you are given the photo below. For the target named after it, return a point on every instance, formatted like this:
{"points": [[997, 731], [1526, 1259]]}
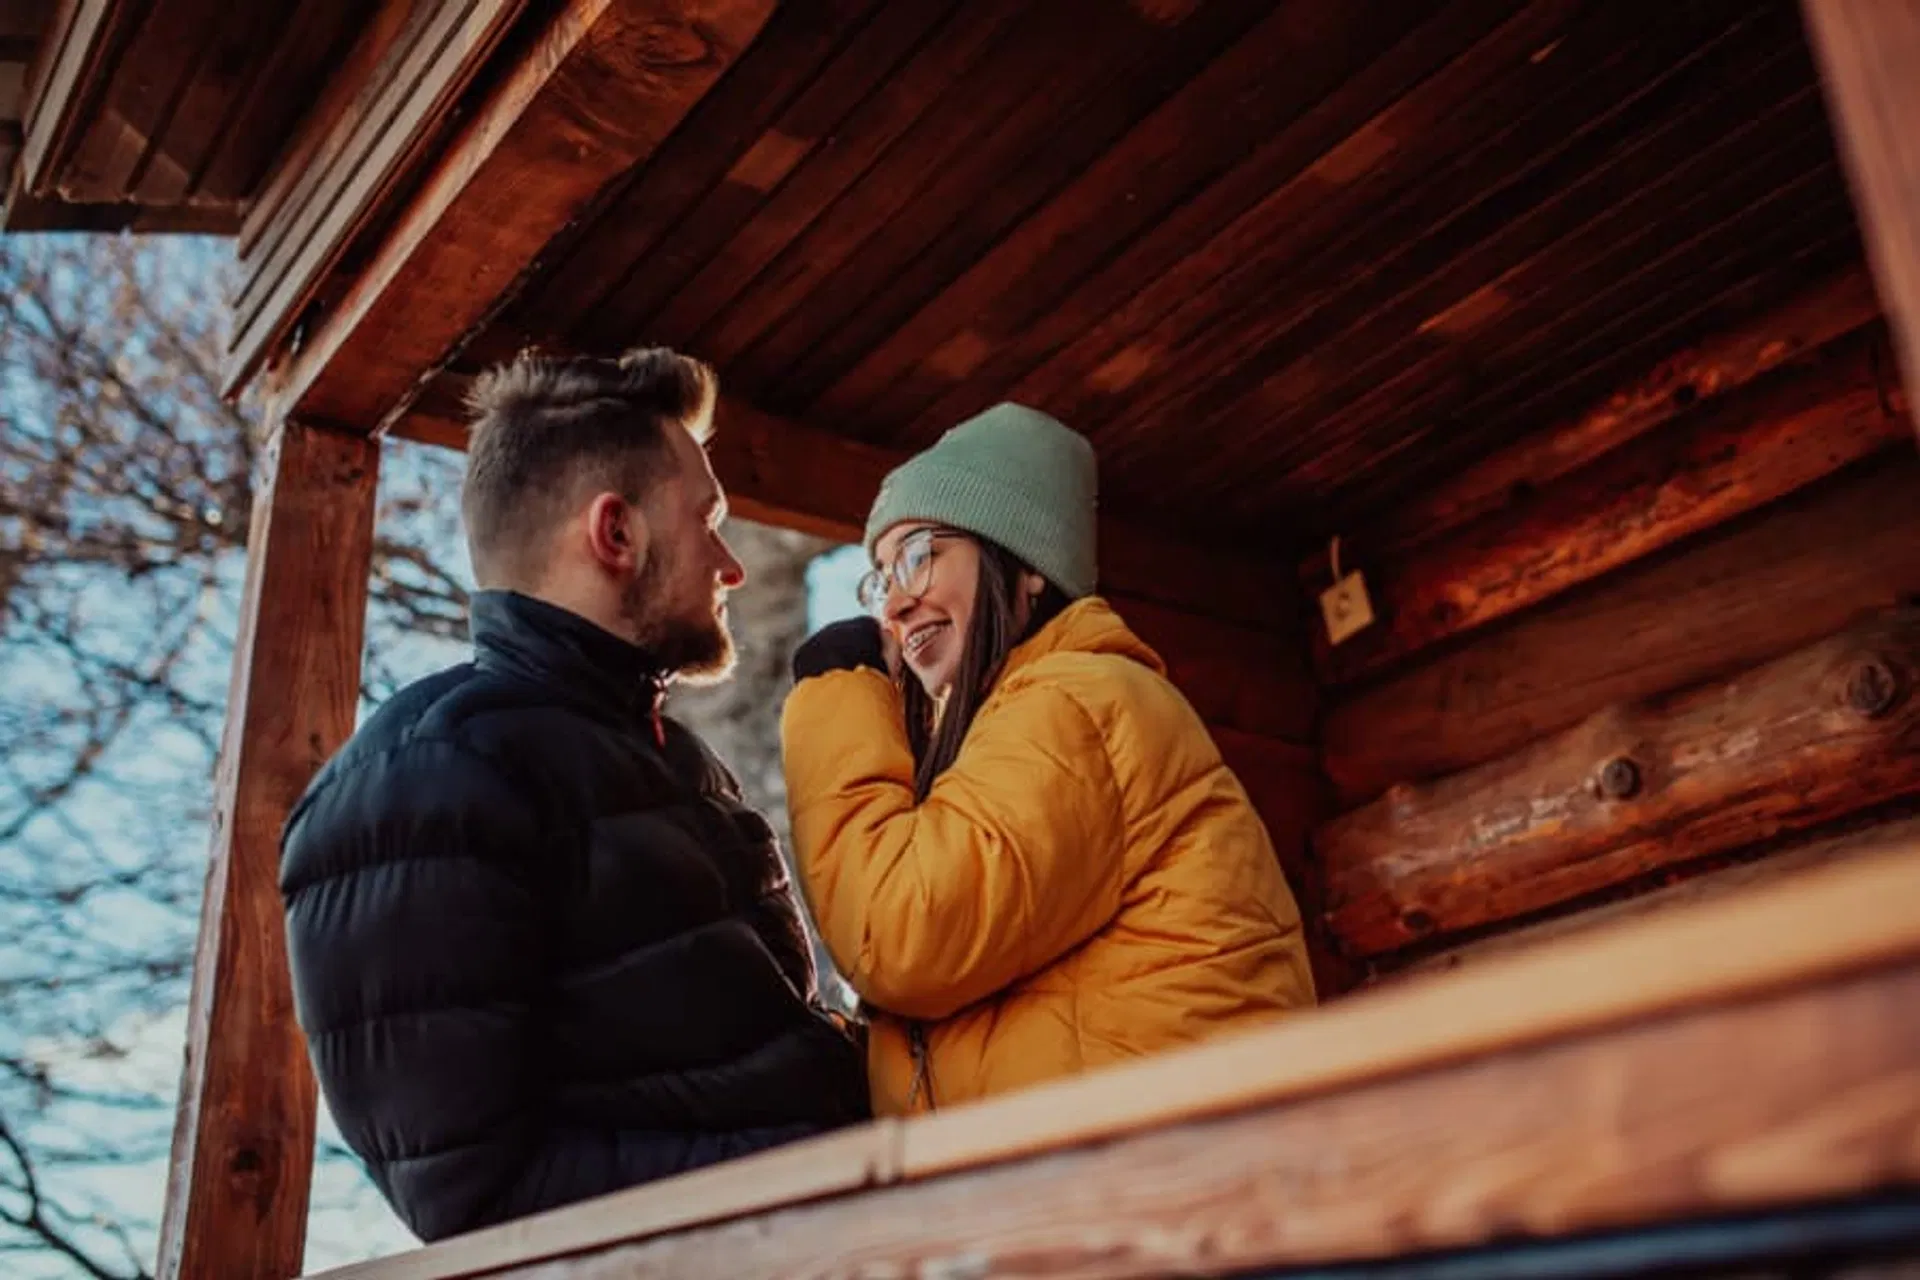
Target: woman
{"points": [[1019, 842]]}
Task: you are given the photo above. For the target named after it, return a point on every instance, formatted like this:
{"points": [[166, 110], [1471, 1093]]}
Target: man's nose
{"points": [[733, 574]]}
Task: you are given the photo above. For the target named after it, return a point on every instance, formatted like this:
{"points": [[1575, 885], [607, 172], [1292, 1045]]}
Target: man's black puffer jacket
{"points": [[540, 949]]}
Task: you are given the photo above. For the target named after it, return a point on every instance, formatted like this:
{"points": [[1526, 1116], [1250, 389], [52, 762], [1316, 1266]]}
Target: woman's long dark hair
{"points": [[936, 735]]}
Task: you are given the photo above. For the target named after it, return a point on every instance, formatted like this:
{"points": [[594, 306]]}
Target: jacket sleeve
{"points": [[1014, 858], [418, 945]]}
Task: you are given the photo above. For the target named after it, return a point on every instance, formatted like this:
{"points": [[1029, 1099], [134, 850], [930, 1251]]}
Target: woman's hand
{"points": [[845, 646]]}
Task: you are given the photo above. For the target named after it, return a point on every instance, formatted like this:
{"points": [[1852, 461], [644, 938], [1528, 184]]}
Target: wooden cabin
{"points": [[1553, 356]]}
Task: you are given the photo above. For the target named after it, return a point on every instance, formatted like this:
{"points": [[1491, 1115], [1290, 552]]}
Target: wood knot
{"points": [[1619, 779], [1872, 688], [1418, 922]]}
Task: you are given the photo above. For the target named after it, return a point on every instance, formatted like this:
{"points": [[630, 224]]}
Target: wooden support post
{"points": [[1869, 53], [1803, 740], [243, 1142]]}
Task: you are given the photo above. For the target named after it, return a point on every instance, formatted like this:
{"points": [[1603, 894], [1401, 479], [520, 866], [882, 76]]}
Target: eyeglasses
{"points": [[911, 571]]}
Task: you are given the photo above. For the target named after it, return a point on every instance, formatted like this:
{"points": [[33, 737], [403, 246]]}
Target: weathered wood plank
{"points": [[782, 473], [413, 74], [1799, 944], [1868, 51], [1796, 1098], [86, 38], [1714, 367], [1709, 886], [583, 299], [1346, 140], [1743, 451], [243, 1142], [605, 84], [1649, 214], [681, 315], [1761, 587], [1192, 141], [1806, 739]]}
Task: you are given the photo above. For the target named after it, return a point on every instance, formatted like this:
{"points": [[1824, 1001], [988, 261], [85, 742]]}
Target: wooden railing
{"points": [[1745, 1053]]}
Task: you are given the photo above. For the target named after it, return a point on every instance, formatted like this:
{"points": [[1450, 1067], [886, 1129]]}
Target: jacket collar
{"points": [[1088, 625], [555, 647]]}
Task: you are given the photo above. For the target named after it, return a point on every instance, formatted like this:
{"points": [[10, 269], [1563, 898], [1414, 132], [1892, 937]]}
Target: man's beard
{"points": [[697, 648]]}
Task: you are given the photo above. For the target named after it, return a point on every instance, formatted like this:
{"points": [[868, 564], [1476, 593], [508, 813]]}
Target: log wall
{"points": [[1696, 650]]}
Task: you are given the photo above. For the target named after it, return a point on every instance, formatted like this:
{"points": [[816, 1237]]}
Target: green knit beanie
{"points": [[1011, 475]]}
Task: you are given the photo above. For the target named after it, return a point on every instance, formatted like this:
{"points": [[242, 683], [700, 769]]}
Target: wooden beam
{"points": [[1372, 1126], [1712, 885], [1868, 52], [1744, 451], [76, 59], [1807, 739], [799, 477], [602, 88], [1798, 1098], [243, 1142], [1753, 591], [1685, 381], [377, 121]]}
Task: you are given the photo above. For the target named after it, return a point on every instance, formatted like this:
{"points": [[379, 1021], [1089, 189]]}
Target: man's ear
{"points": [[617, 533]]}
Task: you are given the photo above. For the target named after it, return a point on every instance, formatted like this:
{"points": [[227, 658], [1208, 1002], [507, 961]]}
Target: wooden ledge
{"points": [[1828, 926]]}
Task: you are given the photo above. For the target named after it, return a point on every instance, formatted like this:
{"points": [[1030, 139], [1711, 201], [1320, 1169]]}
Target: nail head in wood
{"points": [[1619, 779]]}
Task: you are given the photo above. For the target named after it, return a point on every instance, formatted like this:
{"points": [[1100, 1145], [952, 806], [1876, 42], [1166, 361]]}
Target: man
{"points": [[540, 949]]}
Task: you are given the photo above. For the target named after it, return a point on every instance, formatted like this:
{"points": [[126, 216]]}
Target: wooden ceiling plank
{"points": [[1594, 246], [1372, 173], [349, 95], [235, 46], [589, 275], [821, 179], [1448, 54], [1683, 377], [606, 84], [1192, 141], [25, 19], [78, 55], [1012, 170], [1454, 398], [817, 121], [394, 135], [273, 114], [147, 85], [1475, 211], [787, 301], [1868, 51], [1669, 237]]}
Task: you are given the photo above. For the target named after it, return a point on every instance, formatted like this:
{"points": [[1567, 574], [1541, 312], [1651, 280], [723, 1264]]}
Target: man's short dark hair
{"points": [[548, 432]]}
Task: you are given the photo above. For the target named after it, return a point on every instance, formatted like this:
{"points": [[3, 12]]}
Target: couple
{"points": [[542, 951]]}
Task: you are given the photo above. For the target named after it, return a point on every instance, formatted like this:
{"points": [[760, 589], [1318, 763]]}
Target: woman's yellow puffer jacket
{"points": [[1087, 883]]}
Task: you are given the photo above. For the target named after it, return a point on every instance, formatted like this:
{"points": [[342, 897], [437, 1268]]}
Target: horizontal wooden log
{"points": [[1805, 739], [798, 477], [1684, 381], [1776, 865], [1408, 1163], [1753, 591], [1748, 449]]}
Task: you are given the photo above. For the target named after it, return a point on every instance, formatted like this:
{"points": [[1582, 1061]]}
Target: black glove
{"points": [[842, 646]]}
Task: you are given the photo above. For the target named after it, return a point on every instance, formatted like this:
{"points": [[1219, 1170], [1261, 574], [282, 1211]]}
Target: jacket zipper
{"points": [[922, 1067]]}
